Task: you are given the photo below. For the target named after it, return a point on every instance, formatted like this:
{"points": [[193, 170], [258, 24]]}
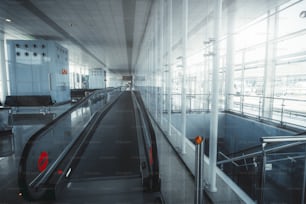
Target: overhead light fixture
{"points": [[8, 20], [303, 14]]}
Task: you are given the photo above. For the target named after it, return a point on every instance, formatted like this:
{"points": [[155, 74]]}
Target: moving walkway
{"points": [[102, 150]]}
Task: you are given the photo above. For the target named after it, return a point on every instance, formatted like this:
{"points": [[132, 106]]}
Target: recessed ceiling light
{"points": [[8, 20]]}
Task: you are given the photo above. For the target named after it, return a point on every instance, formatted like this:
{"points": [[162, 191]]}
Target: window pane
{"points": [[253, 35], [289, 19], [237, 81], [253, 82], [291, 46], [255, 54], [290, 81]]}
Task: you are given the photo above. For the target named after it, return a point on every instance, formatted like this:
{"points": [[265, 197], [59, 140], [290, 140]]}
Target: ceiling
{"points": [[108, 33], [103, 33]]}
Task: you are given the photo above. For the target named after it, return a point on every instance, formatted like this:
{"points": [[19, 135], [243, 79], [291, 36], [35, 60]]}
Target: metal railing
{"points": [[284, 112], [258, 172], [256, 153], [199, 168], [195, 102]]}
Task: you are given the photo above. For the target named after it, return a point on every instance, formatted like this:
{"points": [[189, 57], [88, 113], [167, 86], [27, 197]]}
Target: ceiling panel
{"points": [[143, 8], [109, 31]]}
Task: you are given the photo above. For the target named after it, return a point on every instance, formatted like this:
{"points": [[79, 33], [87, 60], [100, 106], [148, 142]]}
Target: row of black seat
{"points": [[42, 100]]}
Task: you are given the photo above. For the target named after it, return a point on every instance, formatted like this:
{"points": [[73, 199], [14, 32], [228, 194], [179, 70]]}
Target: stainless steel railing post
{"points": [[263, 174], [304, 179], [199, 142]]}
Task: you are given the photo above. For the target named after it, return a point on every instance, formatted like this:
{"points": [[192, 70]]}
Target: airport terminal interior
{"points": [[153, 101]]}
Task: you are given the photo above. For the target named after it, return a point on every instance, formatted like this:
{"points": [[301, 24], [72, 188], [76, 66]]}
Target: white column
{"points": [[152, 66], [215, 98], [229, 80], [151, 54], [156, 64], [269, 76], [184, 60], [206, 88], [3, 76], [169, 82], [161, 56], [148, 75], [242, 93]]}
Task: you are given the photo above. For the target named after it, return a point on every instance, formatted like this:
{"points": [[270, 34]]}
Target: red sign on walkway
{"points": [[43, 161]]}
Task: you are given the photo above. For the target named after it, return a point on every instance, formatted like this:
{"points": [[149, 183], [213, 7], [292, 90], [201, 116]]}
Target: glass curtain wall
{"points": [[269, 72], [262, 60]]}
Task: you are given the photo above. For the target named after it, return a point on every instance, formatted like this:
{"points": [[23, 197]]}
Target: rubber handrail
{"points": [[152, 138]]}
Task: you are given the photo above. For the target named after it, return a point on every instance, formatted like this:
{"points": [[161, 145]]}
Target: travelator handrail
{"points": [[296, 140], [152, 154], [42, 177]]}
